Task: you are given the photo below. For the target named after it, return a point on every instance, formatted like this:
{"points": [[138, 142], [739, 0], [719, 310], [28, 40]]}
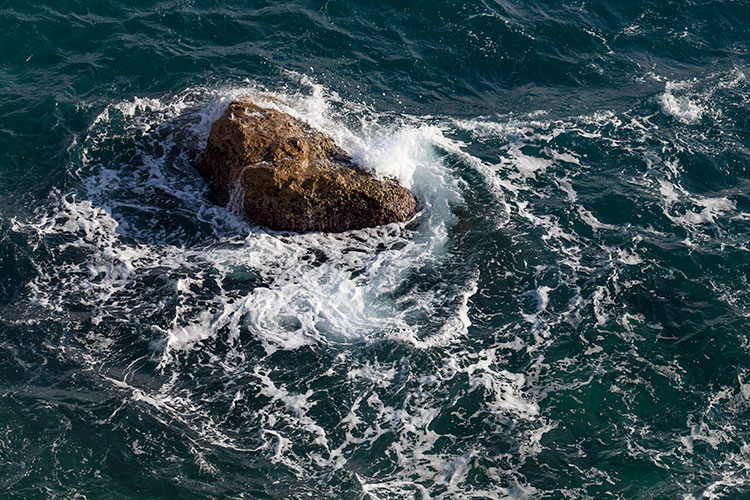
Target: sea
{"points": [[567, 316]]}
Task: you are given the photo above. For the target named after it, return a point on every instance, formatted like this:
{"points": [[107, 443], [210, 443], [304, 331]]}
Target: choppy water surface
{"points": [[567, 317]]}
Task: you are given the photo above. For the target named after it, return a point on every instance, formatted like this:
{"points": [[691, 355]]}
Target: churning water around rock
{"points": [[566, 318]]}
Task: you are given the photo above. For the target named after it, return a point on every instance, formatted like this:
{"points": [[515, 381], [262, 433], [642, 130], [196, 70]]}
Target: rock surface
{"points": [[281, 173]]}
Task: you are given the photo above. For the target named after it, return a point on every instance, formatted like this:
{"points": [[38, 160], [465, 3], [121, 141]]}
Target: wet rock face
{"points": [[281, 173]]}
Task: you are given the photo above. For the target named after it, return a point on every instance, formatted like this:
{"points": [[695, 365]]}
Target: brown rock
{"points": [[282, 173]]}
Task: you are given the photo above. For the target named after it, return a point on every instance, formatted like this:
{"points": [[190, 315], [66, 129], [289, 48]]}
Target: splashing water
{"points": [[565, 318]]}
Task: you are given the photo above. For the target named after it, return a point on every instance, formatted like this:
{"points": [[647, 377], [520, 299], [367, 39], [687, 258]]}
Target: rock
{"points": [[281, 173]]}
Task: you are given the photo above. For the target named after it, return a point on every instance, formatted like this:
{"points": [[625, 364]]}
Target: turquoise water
{"points": [[567, 318]]}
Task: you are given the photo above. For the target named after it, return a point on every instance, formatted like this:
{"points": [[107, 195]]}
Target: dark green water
{"points": [[567, 318]]}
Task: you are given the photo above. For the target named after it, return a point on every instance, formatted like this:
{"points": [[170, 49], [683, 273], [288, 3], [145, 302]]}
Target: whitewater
{"points": [[565, 318]]}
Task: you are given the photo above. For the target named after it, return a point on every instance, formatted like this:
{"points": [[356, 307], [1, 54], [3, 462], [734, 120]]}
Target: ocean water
{"points": [[568, 317]]}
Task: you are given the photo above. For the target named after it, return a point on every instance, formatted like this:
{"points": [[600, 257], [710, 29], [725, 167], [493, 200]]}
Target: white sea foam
{"points": [[690, 210], [321, 290], [682, 107], [691, 100], [325, 301], [223, 280], [527, 165]]}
